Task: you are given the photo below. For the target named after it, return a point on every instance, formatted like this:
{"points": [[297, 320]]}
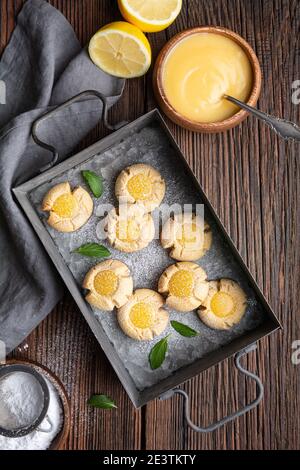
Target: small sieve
{"points": [[5, 371]]}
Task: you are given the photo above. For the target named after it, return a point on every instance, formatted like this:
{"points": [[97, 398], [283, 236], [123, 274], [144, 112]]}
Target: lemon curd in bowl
{"points": [[196, 69]]}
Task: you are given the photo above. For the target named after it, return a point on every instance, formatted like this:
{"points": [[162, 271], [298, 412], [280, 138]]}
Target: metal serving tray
{"points": [[148, 140]]}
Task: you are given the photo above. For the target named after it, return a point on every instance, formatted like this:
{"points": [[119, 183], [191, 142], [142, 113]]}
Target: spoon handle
{"points": [[282, 127]]}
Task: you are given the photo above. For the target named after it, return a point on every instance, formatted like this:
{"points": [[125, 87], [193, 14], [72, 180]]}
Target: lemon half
{"points": [[121, 49], [150, 16]]}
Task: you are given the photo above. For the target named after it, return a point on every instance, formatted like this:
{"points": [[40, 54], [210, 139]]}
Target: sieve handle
{"points": [[50, 114], [49, 428], [226, 419]]}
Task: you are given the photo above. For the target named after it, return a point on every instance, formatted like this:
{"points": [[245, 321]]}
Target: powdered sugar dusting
{"points": [[150, 146]]}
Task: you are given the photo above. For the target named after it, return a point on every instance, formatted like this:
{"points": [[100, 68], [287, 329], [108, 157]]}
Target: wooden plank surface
{"points": [[252, 178]]}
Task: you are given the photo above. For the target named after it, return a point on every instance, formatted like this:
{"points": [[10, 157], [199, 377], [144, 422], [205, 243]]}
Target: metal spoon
{"points": [[282, 127]]}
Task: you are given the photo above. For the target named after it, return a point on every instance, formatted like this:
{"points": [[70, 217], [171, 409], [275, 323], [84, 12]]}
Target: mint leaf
{"points": [[93, 250], [102, 401], [158, 353], [94, 182], [183, 330]]}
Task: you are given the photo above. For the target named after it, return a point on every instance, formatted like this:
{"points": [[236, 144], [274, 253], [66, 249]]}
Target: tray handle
{"points": [[50, 114], [226, 419]]}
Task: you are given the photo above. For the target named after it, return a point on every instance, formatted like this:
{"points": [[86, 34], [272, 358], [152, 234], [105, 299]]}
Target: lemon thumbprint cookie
{"points": [[68, 210], [143, 317], [109, 284], [224, 306], [185, 286], [187, 236], [129, 228]]}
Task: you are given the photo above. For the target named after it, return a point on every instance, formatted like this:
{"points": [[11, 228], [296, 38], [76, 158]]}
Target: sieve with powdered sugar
{"points": [[24, 401]]}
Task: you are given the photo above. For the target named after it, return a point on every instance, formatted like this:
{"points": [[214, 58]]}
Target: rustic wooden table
{"points": [[252, 179]]}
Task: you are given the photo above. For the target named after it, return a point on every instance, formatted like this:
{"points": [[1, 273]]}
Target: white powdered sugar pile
{"points": [[21, 402]]}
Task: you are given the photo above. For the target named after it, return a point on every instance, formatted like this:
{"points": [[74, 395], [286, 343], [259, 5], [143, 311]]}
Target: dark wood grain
{"points": [[253, 181]]}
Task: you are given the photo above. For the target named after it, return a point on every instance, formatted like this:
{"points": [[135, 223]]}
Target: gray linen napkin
{"points": [[43, 65]]}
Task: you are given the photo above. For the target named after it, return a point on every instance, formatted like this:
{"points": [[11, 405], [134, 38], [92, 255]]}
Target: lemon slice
{"points": [[121, 49], [150, 16]]}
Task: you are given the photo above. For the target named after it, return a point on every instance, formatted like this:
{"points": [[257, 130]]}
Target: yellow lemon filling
{"points": [[199, 70], [140, 187], [188, 234], [128, 230], [141, 315], [222, 304], [64, 205], [106, 283], [181, 284]]}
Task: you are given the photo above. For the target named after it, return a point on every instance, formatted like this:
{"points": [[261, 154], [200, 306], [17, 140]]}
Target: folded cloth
{"points": [[42, 66]]}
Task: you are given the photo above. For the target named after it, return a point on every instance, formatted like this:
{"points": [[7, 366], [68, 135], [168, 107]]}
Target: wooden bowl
{"points": [[60, 440], [181, 120]]}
